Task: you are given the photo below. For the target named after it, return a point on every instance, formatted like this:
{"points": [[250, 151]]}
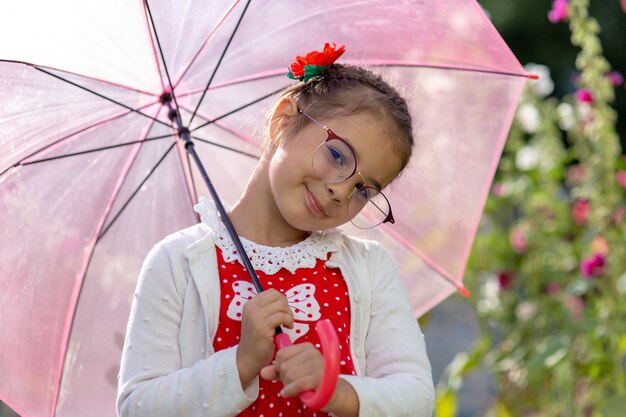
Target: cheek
{"points": [[278, 164], [283, 174]]}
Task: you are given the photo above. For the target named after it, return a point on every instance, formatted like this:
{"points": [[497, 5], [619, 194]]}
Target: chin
{"points": [[306, 222]]}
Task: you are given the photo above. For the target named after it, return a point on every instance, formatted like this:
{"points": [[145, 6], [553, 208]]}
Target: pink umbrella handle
{"points": [[330, 346]]}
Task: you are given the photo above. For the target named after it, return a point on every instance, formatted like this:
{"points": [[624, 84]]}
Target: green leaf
{"points": [[446, 404], [312, 71], [614, 407], [622, 344], [547, 356], [580, 287], [502, 410]]}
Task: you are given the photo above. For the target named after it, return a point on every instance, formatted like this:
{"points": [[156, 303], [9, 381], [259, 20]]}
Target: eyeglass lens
{"points": [[368, 207], [334, 161]]}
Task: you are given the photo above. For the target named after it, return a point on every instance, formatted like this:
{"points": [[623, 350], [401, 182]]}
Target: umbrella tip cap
{"points": [[464, 291], [533, 76]]}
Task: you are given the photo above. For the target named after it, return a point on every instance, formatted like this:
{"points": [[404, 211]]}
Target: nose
{"points": [[340, 191]]}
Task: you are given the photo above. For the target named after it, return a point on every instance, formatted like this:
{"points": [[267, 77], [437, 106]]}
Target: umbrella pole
{"points": [[185, 135]]}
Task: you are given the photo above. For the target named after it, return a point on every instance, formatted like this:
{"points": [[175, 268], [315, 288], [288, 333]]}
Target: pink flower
{"points": [[584, 95], [553, 288], [558, 13], [620, 177], [593, 266], [624, 5], [575, 305], [580, 211], [576, 174], [498, 189], [616, 78], [518, 240], [619, 214], [505, 279], [600, 246]]}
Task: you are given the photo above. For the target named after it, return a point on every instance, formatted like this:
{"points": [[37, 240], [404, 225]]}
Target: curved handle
{"points": [[330, 347]]}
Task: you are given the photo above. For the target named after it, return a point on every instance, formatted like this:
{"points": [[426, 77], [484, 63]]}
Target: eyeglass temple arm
{"points": [[312, 119]]}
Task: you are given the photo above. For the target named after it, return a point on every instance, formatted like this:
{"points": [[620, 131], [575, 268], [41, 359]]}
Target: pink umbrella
{"points": [[92, 173]]}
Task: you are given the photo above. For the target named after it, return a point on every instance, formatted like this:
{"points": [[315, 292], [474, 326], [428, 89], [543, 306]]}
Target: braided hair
{"points": [[345, 90]]}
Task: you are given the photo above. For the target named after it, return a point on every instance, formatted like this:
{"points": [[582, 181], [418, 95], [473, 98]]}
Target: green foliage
{"points": [[548, 268]]}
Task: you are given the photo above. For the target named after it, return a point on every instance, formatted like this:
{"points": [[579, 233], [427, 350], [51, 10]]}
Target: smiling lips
{"points": [[314, 205]]}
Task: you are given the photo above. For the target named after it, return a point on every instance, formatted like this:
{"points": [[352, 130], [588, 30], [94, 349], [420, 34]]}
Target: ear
{"points": [[283, 112]]}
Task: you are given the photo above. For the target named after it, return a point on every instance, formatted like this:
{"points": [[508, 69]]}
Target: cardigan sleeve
{"points": [[397, 380], [152, 380]]}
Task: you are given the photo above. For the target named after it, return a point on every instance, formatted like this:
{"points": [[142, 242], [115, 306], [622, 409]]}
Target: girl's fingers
{"points": [[268, 297], [279, 318], [298, 351], [299, 368], [268, 301], [299, 379], [269, 372]]}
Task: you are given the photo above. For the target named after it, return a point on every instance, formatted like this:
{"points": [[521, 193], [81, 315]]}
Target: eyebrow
{"points": [[368, 180], [375, 183]]}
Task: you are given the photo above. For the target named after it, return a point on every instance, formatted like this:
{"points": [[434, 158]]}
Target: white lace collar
{"points": [[269, 259]]}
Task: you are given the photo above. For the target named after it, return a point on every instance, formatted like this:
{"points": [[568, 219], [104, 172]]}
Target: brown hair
{"points": [[347, 89]]}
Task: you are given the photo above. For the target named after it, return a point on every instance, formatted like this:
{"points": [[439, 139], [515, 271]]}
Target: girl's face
{"points": [[307, 202]]}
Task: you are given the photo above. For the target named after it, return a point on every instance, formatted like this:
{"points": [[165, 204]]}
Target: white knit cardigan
{"points": [[169, 367]]}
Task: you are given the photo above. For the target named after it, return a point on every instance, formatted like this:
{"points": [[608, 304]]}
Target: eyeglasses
{"points": [[334, 161]]}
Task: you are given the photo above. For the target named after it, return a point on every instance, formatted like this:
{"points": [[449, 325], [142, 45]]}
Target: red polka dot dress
{"points": [[313, 292]]}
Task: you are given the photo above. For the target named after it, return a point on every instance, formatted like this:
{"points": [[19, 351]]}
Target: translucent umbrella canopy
{"points": [[92, 174]]}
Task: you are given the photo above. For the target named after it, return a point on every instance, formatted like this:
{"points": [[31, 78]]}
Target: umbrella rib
{"points": [[58, 141], [238, 109], [89, 77], [382, 63], [137, 189], [158, 41], [104, 148], [429, 262], [219, 145], [102, 96], [87, 258], [219, 62], [213, 32], [230, 130], [279, 72]]}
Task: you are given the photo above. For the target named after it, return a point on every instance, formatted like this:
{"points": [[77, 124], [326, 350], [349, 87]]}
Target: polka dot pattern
{"points": [[332, 296]]}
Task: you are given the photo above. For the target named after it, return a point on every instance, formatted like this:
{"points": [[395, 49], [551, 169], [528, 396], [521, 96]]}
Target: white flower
{"points": [[525, 311], [490, 296], [527, 158], [621, 284], [585, 112], [544, 85], [528, 118], [566, 116]]}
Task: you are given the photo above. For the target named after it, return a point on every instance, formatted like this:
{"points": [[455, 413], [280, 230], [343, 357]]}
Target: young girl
{"points": [[200, 341]]}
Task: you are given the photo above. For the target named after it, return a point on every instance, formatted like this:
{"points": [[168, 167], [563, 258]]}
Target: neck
{"points": [[256, 216]]}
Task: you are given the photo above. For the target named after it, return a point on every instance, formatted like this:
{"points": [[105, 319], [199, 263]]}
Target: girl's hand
{"points": [[260, 317], [299, 367]]}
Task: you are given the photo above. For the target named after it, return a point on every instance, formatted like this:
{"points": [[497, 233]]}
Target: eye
{"points": [[362, 192], [336, 156]]}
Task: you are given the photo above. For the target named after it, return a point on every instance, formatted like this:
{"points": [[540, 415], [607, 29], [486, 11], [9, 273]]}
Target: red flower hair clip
{"points": [[314, 63]]}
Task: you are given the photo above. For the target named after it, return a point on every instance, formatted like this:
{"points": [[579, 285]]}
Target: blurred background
{"points": [[543, 333]]}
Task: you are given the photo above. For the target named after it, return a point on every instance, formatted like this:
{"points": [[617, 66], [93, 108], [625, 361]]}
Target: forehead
{"points": [[374, 143]]}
